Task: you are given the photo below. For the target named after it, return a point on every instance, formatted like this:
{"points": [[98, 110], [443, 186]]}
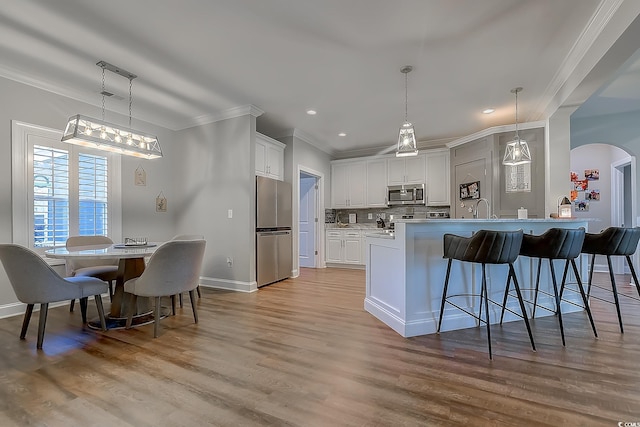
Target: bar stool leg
{"points": [[593, 262], [504, 299], [633, 274], [535, 297], [444, 295], [486, 306], [584, 297], [555, 292], [615, 293], [564, 277], [524, 312]]}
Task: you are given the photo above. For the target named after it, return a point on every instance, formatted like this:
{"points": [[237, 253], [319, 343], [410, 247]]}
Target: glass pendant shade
{"points": [[407, 141], [94, 133], [99, 134], [517, 153]]}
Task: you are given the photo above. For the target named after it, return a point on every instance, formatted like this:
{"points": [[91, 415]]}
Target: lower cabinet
{"points": [[344, 247]]}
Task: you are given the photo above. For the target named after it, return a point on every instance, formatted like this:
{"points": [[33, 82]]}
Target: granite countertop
{"points": [[426, 221]]}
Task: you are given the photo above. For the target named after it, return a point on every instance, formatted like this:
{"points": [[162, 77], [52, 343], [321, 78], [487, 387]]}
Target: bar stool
{"points": [[613, 241], [554, 244], [484, 247]]}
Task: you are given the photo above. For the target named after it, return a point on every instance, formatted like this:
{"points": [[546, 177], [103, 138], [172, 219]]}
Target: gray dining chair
{"points": [[172, 269], [103, 269], [35, 282], [185, 237]]}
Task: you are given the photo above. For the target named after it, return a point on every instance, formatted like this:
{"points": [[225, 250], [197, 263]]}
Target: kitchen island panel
{"points": [[405, 275]]}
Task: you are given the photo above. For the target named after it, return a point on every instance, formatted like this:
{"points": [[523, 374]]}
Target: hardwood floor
{"points": [[304, 352]]}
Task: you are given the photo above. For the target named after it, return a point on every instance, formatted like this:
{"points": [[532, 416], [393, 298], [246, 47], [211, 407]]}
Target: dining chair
{"points": [[185, 237], [35, 282], [173, 268], [103, 269]]}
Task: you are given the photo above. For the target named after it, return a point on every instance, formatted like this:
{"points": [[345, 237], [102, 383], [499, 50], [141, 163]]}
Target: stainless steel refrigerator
{"points": [[273, 230]]}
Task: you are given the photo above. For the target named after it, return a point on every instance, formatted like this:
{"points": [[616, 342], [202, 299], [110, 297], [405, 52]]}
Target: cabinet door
{"points": [[261, 158], [415, 169], [376, 183], [438, 179], [275, 159], [334, 246], [339, 182], [352, 248], [357, 184], [395, 170]]}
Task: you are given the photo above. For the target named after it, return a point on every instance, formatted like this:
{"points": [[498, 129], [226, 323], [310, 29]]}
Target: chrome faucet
{"points": [[475, 210]]}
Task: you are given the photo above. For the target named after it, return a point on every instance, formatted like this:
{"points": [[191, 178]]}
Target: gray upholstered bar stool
{"points": [[613, 241], [555, 244], [484, 247]]}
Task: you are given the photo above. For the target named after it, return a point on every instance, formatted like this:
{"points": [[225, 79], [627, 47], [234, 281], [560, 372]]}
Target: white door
{"points": [[307, 224]]}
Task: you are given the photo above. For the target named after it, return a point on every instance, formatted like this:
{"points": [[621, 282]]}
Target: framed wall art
{"points": [[470, 190]]}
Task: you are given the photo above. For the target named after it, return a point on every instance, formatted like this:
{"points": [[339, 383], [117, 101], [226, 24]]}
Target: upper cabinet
{"points": [[269, 157], [348, 184], [376, 183], [406, 170], [438, 177]]}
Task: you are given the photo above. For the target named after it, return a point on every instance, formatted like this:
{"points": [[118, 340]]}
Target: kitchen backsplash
{"points": [[362, 215]]}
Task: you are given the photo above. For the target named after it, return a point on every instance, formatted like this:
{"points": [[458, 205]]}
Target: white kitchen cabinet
{"points": [[406, 170], [376, 183], [269, 157], [344, 246], [438, 178], [348, 184]]}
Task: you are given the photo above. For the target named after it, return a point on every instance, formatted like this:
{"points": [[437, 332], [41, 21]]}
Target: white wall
{"points": [[39, 107], [216, 173], [595, 156]]}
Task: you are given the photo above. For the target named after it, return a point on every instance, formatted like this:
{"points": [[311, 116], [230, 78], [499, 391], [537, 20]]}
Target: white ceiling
{"points": [[198, 59]]}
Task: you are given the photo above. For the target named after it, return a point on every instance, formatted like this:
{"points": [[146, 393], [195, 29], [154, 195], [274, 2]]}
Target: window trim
{"points": [[20, 160]]}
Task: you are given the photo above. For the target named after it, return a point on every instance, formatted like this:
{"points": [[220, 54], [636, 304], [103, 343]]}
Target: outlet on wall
{"points": [[370, 216], [229, 261]]}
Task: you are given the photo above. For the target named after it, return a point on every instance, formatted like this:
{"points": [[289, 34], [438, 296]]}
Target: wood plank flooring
{"points": [[303, 352]]}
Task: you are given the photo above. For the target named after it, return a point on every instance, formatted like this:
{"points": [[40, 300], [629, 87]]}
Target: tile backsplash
{"points": [[362, 215]]}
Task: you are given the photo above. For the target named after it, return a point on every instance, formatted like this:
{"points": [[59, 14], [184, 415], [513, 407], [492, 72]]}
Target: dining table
{"points": [[131, 264]]}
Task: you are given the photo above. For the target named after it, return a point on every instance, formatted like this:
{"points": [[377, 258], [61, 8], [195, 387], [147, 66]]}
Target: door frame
{"points": [[311, 216], [319, 240], [617, 205]]}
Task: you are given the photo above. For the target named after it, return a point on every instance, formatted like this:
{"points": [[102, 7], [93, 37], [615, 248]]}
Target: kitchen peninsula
{"points": [[405, 274]]}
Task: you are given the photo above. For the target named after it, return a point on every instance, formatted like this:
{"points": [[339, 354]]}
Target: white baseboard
{"points": [[231, 285], [18, 308]]}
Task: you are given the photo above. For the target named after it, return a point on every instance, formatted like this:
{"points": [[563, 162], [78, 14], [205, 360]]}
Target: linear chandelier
{"points": [[407, 135], [102, 135], [517, 151]]}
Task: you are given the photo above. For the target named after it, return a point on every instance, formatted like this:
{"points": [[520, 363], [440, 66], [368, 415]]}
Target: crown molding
{"points": [[599, 20], [494, 130], [305, 137], [231, 113]]}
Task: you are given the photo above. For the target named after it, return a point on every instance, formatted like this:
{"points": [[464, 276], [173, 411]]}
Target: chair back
{"points": [[555, 243], [613, 241], [32, 279], [188, 237], [485, 246], [76, 242], [173, 268]]}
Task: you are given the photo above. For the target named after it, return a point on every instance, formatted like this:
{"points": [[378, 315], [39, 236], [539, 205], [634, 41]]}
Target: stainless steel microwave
{"points": [[409, 194]]}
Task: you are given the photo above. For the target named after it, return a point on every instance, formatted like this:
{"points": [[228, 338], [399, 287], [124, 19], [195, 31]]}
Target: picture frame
{"points": [[470, 190], [161, 203]]}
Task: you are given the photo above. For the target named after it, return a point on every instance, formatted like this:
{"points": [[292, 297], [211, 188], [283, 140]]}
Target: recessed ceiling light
{"points": [[311, 112], [342, 134], [488, 111]]}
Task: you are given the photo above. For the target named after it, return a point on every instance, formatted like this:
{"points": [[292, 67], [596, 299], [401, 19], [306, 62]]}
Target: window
{"points": [[61, 189]]}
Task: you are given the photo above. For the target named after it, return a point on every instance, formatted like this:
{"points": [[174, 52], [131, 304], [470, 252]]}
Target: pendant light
{"points": [[99, 134], [407, 136], [517, 152]]}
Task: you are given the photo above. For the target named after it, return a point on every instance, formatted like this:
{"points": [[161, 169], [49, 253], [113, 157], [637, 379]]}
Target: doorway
{"points": [[623, 203], [308, 220]]}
